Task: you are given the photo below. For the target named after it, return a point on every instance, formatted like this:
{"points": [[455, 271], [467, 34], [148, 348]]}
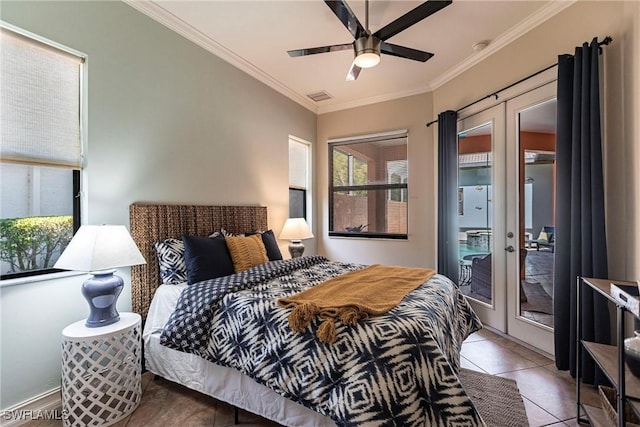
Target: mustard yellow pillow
{"points": [[246, 252]]}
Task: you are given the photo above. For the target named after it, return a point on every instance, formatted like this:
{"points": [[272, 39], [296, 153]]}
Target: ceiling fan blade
{"points": [[353, 73], [412, 17], [405, 52], [322, 49], [347, 17]]}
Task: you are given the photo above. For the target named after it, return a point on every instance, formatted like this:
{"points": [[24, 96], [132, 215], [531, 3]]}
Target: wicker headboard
{"points": [[153, 223]]}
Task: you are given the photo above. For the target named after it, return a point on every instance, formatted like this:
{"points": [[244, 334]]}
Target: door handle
{"points": [[510, 249]]}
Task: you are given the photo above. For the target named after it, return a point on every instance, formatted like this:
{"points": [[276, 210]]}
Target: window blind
{"points": [[375, 137], [298, 164], [40, 106]]}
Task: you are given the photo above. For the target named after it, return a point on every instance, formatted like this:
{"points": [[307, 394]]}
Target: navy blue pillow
{"points": [[206, 258], [270, 244]]}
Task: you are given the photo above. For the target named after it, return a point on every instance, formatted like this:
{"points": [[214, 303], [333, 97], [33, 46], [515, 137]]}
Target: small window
{"points": [[40, 154], [299, 177], [368, 186], [297, 203]]}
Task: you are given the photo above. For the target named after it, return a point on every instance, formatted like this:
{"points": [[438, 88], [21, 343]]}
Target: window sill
{"points": [[377, 236], [40, 278]]}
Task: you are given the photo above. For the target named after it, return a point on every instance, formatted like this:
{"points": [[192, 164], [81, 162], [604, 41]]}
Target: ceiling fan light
{"points": [[367, 51], [367, 60]]}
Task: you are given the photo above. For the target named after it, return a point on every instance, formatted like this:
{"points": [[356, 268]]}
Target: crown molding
{"points": [[169, 20], [542, 15], [539, 17], [162, 16], [371, 100]]}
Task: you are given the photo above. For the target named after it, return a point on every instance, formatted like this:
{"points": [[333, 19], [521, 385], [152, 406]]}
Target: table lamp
{"points": [[296, 229], [99, 250]]}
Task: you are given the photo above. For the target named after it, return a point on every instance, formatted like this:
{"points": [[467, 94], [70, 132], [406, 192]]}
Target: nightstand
{"points": [[101, 370]]}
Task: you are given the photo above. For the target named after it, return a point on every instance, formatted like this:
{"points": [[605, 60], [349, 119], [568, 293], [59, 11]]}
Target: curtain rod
{"points": [[606, 41]]}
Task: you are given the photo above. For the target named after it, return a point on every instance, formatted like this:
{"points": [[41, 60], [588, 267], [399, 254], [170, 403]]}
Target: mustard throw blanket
{"points": [[352, 296]]}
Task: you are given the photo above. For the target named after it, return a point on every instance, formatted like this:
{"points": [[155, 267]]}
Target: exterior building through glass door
{"points": [[481, 214]]}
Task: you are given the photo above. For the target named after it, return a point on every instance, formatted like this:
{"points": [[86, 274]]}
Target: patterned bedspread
{"points": [[399, 368]]}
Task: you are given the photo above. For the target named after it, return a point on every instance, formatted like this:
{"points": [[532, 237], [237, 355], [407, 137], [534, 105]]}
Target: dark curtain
{"points": [[448, 195], [580, 223]]}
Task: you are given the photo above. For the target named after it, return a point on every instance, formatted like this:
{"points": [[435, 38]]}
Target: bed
{"points": [[393, 369]]}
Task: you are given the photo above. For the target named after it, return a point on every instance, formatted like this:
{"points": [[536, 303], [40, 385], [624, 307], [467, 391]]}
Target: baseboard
{"points": [[46, 406]]}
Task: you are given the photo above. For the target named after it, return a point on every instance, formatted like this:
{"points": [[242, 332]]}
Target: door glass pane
{"points": [[475, 212], [537, 140]]}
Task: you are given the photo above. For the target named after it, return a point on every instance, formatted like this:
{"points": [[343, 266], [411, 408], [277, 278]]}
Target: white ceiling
{"points": [[255, 36]]}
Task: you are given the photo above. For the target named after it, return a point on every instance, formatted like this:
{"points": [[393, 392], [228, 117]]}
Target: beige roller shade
{"points": [[40, 107]]}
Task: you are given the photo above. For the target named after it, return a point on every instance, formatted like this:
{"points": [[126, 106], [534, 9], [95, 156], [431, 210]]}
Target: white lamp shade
{"points": [[100, 247], [296, 229]]}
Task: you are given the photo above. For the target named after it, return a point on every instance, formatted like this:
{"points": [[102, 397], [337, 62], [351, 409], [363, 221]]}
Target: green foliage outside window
{"points": [[34, 243], [340, 168], [345, 174]]}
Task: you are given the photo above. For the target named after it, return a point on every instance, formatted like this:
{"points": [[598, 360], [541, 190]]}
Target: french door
{"points": [[531, 168], [506, 176]]}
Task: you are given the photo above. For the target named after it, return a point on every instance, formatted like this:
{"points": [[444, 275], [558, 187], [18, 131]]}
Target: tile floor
{"points": [[548, 394]]}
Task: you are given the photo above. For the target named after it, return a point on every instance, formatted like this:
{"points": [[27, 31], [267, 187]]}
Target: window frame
{"points": [[332, 143], [307, 192], [77, 202], [76, 225]]}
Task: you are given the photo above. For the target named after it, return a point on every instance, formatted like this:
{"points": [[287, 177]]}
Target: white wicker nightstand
{"points": [[101, 370]]}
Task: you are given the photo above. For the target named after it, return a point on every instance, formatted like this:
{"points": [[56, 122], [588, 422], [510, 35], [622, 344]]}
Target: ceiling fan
{"points": [[366, 46]]}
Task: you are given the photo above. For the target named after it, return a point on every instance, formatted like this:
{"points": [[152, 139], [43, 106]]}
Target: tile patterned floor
{"points": [[548, 394]]}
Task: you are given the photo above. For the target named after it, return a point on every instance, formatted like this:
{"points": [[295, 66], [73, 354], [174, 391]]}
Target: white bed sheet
{"points": [[223, 383]]}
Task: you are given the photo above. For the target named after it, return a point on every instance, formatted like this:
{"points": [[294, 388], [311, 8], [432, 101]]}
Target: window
{"points": [[368, 186], [40, 153], [299, 177]]}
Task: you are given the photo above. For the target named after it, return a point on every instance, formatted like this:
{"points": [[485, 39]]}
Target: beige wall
{"points": [[411, 113], [538, 49], [631, 137], [532, 52], [167, 122]]}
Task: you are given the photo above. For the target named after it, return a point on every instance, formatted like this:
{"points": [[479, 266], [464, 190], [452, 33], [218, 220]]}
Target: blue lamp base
{"points": [[101, 292]]}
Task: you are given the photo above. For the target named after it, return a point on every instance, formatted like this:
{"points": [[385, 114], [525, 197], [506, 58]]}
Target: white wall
{"points": [[168, 122], [17, 180]]}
